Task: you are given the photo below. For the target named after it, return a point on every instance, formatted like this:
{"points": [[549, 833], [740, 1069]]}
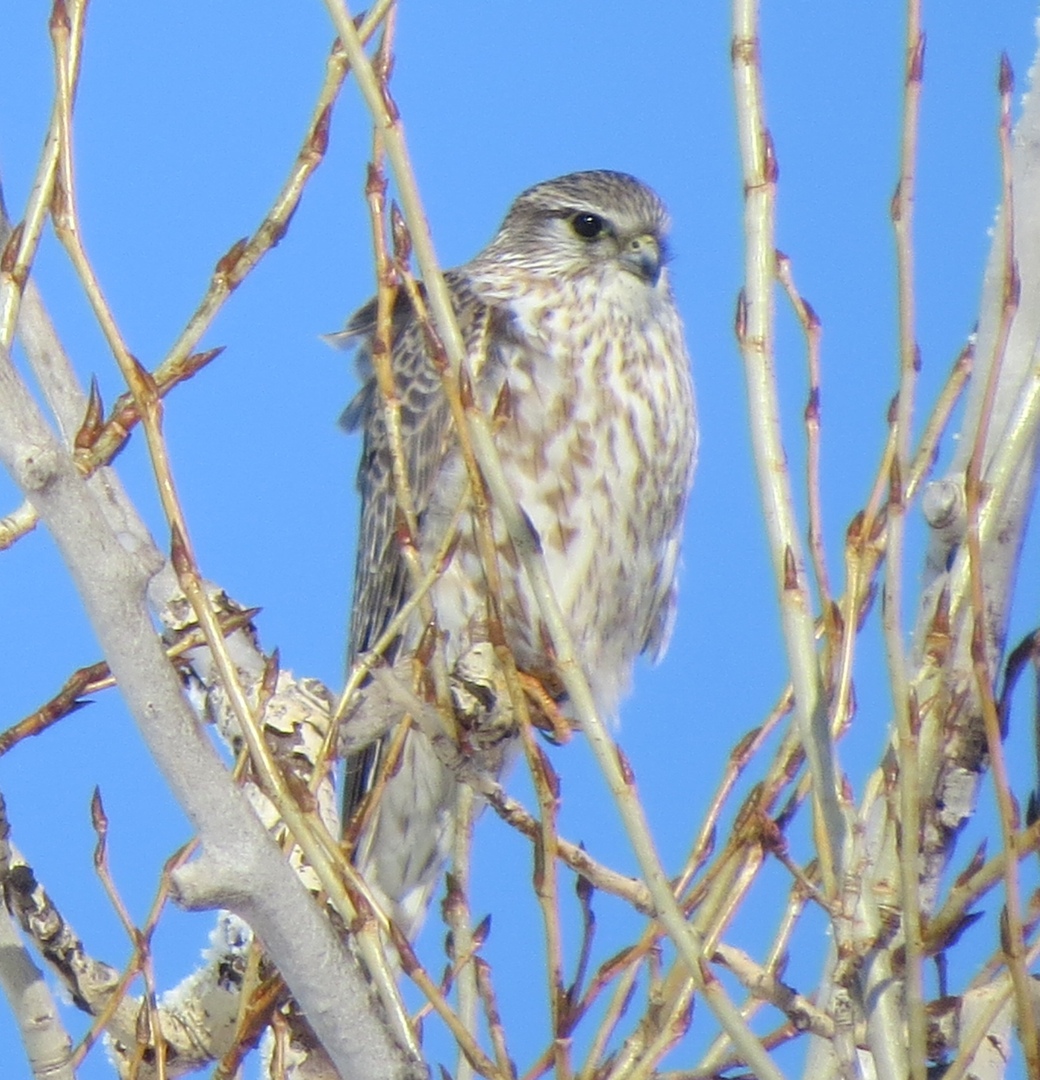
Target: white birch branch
{"points": [[240, 867]]}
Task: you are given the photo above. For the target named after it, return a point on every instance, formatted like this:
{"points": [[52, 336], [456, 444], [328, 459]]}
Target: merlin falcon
{"points": [[574, 348]]}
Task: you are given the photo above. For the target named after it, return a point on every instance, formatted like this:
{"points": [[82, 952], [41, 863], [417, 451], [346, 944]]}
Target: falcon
{"points": [[574, 346]]}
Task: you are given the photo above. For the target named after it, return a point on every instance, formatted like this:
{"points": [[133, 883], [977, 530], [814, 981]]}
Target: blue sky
{"points": [[188, 118]]}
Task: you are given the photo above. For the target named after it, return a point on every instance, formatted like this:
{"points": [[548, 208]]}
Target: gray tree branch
{"points": [[240, 868]]}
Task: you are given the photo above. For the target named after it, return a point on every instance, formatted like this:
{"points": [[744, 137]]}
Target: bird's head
{"points": [[586, 222]]}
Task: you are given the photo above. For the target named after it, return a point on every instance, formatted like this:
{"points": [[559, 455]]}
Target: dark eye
{"points": [[587, 226]]}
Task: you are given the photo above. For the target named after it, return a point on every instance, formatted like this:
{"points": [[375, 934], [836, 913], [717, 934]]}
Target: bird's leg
{"points": [[547, 715]]}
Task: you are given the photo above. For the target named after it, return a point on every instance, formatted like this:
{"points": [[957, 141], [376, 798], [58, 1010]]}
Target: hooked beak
{"points": [[642, 256]]}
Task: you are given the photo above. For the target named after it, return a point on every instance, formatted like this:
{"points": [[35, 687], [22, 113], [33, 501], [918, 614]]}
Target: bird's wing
{"points": [[666, 590], [381, 582]]}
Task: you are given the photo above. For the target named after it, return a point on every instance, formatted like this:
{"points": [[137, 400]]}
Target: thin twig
{"points": [[66, 28], [755, 335], [904, 704], [811, 330]]}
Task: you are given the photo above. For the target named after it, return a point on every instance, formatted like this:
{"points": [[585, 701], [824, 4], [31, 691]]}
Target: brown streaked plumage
{"points": [[571, 331]]}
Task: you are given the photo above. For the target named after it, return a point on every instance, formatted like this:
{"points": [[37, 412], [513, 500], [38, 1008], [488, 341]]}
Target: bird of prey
{"points": [[574, 347]]}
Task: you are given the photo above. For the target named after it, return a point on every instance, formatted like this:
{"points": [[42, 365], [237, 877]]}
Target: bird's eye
{"points": [[587, 226]]}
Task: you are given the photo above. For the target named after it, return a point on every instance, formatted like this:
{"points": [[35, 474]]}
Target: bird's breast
{"points": [[593, 420]]}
